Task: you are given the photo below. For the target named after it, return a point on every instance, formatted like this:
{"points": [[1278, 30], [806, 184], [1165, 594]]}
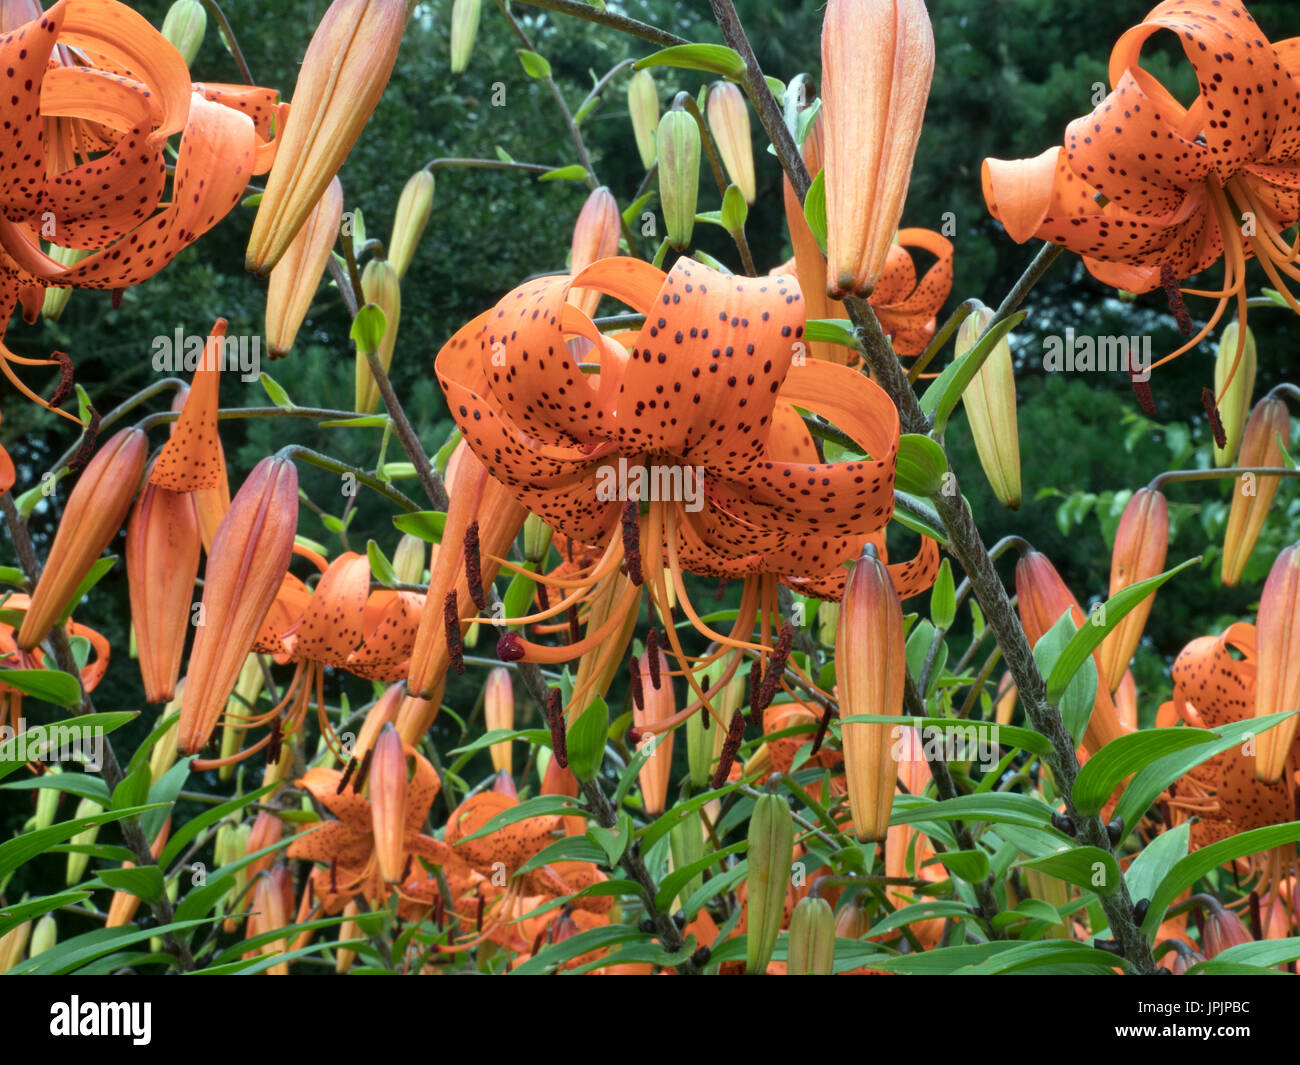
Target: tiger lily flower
{"points": [[342, 77], [163, 544], [246, 566], [127, 93], [188, 460], [1173, 213], [11, 699], [96, 509], [875, 85], [1278, 680]]}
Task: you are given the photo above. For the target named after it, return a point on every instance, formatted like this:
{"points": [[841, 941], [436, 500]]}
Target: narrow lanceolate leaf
{"points": [[941, 398], [1090, 636], [1123, 757], [715, 58], [1086, 867], [921, 465]]}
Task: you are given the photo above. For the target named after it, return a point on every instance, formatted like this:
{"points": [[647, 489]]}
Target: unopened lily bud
{"points": [[269, 912], [499, 713], [658, 704], [45, 936], [249, 558], [537, 538], [380, 284], [643, 108], [414, 207], [769, 858], [56, 299], [77, 862], [1252, 494], [990, 403], [408, 559], [1223, 929], [388, 802], [679, 175], [877, 61], [349, 929], [96, 509], [123, 907], [686, 845], [1184, 958], [343, 75], [1277, 683], [464, 28], [828, 619], [1006, 701], [1233, 390], [13, 944], [1141, 542], [853, 920], [163, 755], [281, 769], [595, 236], [812, 938], [296, 277], [267, 829], [47, 803], [163, 544], [184, 27], [728, 116], [871, 663], [240, 704]]}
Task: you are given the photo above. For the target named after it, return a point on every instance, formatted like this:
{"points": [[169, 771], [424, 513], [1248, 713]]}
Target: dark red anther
{"points": [[510, 648], [638, 694], [1142, 389], [555, 718], [722, 588], [574, 633], [473, 574], [348, 770], [729, 749], [632, 541], [780, 654], [652, 657], [1175, 296], [478, 917], [277, 736], [65, 378], [117, 298], [1256, 925], [537, 943], [406, 869], [87, 447], [439, 912], [334, 876], [634, 735], [360, 778], [705, 720], [1216, 423], [451, 623], [822, 726]]}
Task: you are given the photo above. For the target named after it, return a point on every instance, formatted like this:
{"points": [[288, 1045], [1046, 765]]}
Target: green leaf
{"points": [[613, 841], [572, 172], [12, 916], [1089, 638], [830, 331], [715, 58], [380, 567], [535, 66], [501, 735], [145, 881], [586, 740], [22, 849], [364, 421], [908, 518], [632, 213], [942, 396], [82, 785], [164, 790], [275, 391], [996, 807], [1124, 756], [943, 597], [1157, 858], [368, 328], [425, 524], [133, 789], [77, 951], [567, 949], [97, 571], [671, 885], [48, 685], [1263, 954], [15, 577], [519, 593], [1077, 701], [814, 210], [1147, 785], [1086, 867], [971, 731], [190, 830], [107, 722], [921, 465], [972, 866], [918, 911], [734, 210], [1186, 872]]}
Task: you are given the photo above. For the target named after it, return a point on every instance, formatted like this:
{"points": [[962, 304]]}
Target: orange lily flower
{"points": [[1279, 661], [106, 119], [1172, 213], [11, 700]]}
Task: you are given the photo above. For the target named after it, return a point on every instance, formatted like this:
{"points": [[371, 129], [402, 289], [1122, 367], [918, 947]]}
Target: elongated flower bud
{"points": [[296, 277], [1041, 598], [877, 61], [349, 929], [408, 559], [163, 755], [13, 944], [1277, 684], [45, 936], [47, 803], [537, 538], [96, 509], [343, 75], [870, 659], [414, 207], [1234, 406], [464, 28], [1141, 543], [728, 116], [77, 863], [270, 912], [499, 712], [1252, 495], [658, 704], [184, 27], [388, 802], [56, 299], [679, 175], [380, 284], [595, 236], [686, 845], [1223, 929], [643, 107], [990, 403], [812, 938], [769, 857], [246, 566], [163, 544], [123, 906]]}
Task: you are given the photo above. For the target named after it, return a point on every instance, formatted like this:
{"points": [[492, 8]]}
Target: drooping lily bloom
{"points": [[11, 699], [1174, 180], [192, 458], [103, 121]]}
